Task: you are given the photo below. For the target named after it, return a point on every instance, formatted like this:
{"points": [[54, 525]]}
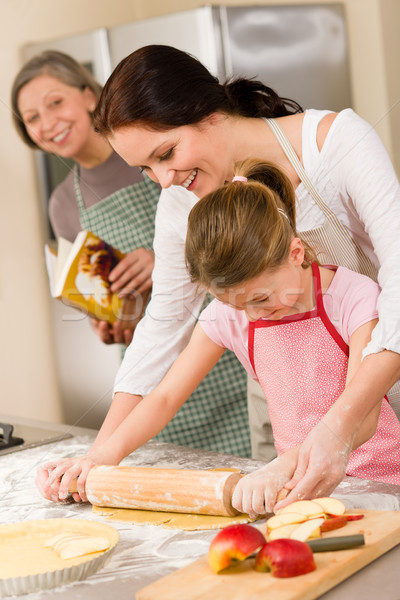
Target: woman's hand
{"points": [[257, 493], [133, 273], [54, 478], [112, 334], [321, 465]]}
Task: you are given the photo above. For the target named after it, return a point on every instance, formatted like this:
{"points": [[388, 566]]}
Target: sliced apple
{"points": [[281, 532], [308, 508], [308, 529], [285, 519], [331, 506], [333, 523], [354, 517]]}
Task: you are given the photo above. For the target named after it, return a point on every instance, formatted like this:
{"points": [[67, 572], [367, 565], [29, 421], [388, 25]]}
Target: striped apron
{"points": [[215, 416]]}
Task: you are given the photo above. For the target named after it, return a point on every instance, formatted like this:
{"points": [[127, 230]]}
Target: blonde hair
{"points": [[243, 228], [56, 64]]}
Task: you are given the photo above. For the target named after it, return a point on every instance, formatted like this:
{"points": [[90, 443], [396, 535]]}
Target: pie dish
{"points": [[27, 565]]}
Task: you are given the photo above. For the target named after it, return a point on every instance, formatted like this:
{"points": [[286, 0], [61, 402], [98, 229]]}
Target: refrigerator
{"points": [[298, 50]]}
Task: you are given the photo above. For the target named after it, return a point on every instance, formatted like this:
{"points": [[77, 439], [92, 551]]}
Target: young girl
{"points": [[297, 327]]}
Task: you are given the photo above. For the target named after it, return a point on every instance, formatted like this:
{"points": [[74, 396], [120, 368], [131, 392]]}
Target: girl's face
{"points": [[195, 157], [56, 115], [274, 293]]}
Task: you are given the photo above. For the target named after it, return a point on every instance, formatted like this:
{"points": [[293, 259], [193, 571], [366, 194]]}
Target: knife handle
{"points": [[336, 543]]}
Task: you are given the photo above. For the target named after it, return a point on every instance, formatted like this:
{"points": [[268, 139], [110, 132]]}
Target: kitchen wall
{"points": [[29, 382]]}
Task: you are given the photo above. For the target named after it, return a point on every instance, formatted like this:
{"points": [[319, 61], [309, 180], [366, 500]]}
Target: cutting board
{"points": [[196, 581]]}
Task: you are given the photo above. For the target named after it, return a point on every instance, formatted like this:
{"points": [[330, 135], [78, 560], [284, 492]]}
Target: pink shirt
{"points": [[349, 302]]}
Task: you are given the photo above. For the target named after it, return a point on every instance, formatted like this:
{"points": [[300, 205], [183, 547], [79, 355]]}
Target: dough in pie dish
{"points": [[73, 544], [27, 565]]}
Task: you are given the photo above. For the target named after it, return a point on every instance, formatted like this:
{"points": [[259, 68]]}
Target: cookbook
{"points": [[78, 276]]}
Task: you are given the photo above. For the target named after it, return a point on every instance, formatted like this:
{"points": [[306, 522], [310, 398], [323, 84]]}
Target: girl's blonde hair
{"points": [[56, 64], [243, 228]]}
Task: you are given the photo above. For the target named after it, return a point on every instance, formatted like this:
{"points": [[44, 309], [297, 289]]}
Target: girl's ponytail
{"points": [[273, 178]]}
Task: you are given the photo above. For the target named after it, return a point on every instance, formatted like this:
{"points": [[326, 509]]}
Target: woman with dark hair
{"points": [[163, 111]]}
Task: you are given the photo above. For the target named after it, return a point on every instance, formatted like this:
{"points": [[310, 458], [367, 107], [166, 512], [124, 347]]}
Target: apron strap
{"points": [[78, 193], [298, 167]]}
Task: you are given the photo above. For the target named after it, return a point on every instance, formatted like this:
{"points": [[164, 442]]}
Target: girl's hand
{"points": [[54, 478], [257, 493], [322, 463], [133, 273]]}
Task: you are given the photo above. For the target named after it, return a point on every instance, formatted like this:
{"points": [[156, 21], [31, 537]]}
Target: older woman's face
{"points": [[196, 157], [56, 115]]}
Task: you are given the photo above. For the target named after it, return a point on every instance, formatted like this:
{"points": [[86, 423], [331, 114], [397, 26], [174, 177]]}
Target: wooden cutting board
{"points": [[196, 581]]}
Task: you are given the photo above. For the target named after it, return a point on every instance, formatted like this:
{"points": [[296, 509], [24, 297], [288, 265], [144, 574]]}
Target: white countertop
{"points": [[146, 553]]}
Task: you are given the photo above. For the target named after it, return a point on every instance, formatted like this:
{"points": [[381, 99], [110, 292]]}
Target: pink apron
{"points": [[301, 364]]}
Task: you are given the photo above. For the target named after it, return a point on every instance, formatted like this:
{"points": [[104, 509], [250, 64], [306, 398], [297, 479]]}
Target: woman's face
{"points": [[56, 115], [196, 157]]}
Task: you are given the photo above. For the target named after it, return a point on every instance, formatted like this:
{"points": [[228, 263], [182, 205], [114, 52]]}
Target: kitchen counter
{"points": [[146, 553]]}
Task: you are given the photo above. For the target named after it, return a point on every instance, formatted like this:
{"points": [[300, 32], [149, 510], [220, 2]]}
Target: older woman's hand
{"points": [[133, 273]]}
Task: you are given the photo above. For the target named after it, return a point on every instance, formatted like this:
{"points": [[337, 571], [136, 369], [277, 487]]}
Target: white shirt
{"points": [[364, 193]]}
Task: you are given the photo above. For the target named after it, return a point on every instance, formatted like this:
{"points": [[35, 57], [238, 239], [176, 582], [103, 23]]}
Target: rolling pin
{"points": [[170, 490]]}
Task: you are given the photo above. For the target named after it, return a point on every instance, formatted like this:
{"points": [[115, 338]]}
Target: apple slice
{"points": [[333, 523], [354, 516], [285, 558], [308, 508], [233, 543], [331, 506], [285, 519], [308, 529], [281, 532]]}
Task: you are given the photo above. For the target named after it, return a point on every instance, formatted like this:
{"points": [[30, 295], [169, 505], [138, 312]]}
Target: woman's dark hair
{"points": [[161, 87], [56, 64]]}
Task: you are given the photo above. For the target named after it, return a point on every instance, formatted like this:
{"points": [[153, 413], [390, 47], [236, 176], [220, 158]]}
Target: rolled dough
{"points": [[183, 521]]}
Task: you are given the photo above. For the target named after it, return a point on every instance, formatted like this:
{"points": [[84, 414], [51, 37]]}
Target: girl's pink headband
{"points": [[239, 178]]}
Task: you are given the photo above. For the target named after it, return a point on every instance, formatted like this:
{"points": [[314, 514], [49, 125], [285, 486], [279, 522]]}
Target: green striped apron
{"points": [[215, 416]]}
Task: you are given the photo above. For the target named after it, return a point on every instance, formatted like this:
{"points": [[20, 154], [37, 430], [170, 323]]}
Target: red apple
{"points": [[233, 543], [285, 558], [333, 523]]}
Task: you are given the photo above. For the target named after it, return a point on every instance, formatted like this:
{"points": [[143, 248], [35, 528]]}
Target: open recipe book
{"points": [[78, 274]]}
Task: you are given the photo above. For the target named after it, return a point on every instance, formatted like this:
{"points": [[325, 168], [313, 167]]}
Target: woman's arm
{"points": [[175, 304], [132, 421]]}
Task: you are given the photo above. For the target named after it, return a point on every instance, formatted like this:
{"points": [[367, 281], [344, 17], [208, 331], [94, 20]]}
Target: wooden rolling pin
{"points": [[171, 490]]}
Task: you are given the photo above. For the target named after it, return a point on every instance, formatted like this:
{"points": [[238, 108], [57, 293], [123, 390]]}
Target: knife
{"points": [[336, 543]]}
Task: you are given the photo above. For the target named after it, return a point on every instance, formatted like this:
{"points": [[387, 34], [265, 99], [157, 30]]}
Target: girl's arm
{"points": [[157, 409], [132, 421], [351, 421]]}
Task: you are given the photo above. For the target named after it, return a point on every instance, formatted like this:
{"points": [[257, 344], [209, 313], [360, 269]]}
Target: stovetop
{"points": [[30, 436]]}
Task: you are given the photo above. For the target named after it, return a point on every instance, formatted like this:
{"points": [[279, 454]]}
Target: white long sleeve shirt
{"points": [[355, 178]]}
